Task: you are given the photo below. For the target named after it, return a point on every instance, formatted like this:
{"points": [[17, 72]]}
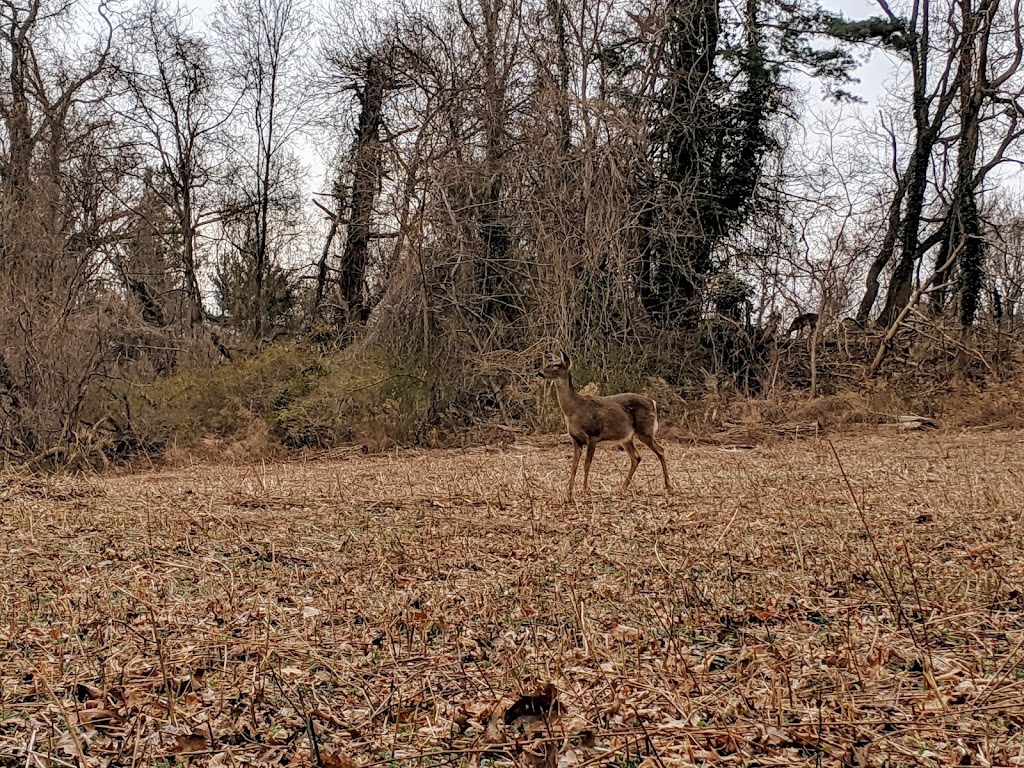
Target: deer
{"points": [[592, 420], [808, 321]]}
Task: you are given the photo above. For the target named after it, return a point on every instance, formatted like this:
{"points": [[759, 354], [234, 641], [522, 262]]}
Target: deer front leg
{"points": [[586, 468], [575, 463]]}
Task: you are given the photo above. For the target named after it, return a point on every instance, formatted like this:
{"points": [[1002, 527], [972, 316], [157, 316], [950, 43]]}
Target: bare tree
{"points": [[954, 79], [369, 75], [984, 72], [1006, 218], [262, 42], [176, 109]]}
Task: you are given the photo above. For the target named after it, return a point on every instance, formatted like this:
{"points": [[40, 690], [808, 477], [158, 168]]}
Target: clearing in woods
{"points": [[444, 607]]}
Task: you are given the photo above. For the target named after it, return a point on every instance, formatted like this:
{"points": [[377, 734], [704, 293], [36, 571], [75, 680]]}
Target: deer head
{"points": [[556, 367]]}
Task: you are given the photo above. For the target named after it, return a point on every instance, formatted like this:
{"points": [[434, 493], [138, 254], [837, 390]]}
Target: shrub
{"points": [[297, 397]]}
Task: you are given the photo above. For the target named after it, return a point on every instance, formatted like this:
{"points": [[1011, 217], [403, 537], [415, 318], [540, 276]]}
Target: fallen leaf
{"points": [[337, 760], [99, 718], [625, 633], [493, 733], [189, 744], [568, 759], [542, 703]]}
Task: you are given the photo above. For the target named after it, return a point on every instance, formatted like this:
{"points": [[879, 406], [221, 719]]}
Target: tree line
{"points": [[626, 180]]}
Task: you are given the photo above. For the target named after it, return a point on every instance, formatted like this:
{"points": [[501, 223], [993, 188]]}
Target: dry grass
{"points": [[390, 610]]}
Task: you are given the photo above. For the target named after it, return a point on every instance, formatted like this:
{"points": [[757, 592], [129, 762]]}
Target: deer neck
{"points": [[566, 393]]}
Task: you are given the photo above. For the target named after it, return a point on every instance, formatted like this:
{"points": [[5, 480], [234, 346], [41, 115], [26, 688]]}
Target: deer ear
{"points": [[565, 360]]}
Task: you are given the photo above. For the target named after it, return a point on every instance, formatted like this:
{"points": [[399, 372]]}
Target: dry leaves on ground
{"points": [[445, 607]]}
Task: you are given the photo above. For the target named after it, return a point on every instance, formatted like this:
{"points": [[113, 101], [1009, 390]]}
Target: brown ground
{"points": [[393, 610]]}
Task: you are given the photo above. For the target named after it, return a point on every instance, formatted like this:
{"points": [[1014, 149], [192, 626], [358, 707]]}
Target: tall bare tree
{"points": [[962, 56], [177, 110], [368, 74], [263, 42]]}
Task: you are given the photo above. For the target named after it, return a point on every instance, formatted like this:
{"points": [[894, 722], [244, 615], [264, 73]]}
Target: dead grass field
{"points": [[444, 607]]}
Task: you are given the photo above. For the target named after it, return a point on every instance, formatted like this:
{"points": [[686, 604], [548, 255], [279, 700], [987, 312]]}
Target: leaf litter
{"points": [[788, 605]]}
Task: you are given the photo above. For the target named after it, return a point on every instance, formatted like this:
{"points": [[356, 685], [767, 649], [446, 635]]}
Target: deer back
{"points": [[642, 411], [598, 419]]}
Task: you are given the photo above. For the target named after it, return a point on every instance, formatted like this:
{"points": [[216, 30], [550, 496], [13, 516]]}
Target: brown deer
{"points": [[594, 420], [808, 321]]}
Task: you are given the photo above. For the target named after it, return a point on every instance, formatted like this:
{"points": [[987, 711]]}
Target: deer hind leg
{"points": [[652, 442], [634, 459], [576, 448], [586, 467]]}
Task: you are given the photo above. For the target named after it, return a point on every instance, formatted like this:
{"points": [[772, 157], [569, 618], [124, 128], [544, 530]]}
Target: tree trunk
{"points": [[892, 233], [366, 170], [963, 222], [320, 291], [675, 245], [556, 9], [917, 181], [18, 119], [929, 110], [495, 284], [188, 256]]}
